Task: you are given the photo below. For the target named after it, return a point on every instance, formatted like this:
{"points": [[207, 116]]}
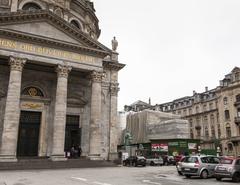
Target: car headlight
{"points": [[230, 169]]}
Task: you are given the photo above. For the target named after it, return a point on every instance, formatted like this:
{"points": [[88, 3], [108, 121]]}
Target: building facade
{"points": [[58, 84], [214, 115]]}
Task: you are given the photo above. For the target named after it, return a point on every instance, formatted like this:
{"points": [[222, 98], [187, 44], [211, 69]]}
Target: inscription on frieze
{"points": [[45, 51]]}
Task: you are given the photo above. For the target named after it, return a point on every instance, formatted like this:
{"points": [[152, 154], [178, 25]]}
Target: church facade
{"points": [[58, 84]]}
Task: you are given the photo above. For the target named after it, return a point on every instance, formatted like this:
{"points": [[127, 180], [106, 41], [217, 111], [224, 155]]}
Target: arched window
{"points": [[31, 7], [33, 92], [213, 131], [212, 119], [75, 23]]}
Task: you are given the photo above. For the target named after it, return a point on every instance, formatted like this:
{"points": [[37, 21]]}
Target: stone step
{"points": [[28, 164]]}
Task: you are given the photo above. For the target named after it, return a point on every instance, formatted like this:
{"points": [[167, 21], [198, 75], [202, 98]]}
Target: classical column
{"points": [[95, 119], [59, 121], [12, 111], [113, 127]]}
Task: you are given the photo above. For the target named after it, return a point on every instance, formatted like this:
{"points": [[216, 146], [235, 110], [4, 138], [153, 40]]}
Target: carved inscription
{"points": [[45, 51]]}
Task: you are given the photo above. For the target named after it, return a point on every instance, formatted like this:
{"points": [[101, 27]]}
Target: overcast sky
{"points": [[170, 47]]}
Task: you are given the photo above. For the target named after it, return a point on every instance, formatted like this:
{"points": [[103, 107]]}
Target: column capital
{"points": [[97, 76], [17, 64], [114, 89], [63, 70]]}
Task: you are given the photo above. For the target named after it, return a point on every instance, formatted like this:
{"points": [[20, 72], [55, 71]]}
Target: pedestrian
{"points": [[79, 150]]}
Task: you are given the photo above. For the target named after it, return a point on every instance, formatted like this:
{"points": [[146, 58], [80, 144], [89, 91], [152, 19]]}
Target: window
{"points": [[228, 131], [238, 98], [184, 112], [75, 23], [213, 131], [204, 107], [210, 106], [237, 76], [31, 7], [206, 131], [212, 119], [190, 111], [191, 122], [197, 109], [227, 115], [225, 100], [238, 112], [33, 92], [205, 119], [219, 130]]}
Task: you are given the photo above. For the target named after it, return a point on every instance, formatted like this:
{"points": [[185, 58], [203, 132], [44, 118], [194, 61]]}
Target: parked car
{"points": [[155, 161], [169, 160], [228, 168], [202, 166], [135, 161], [179, 165]]}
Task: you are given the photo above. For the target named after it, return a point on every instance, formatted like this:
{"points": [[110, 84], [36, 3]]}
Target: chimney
{"points": [[194, 92], [206, 88], [149, 101]]}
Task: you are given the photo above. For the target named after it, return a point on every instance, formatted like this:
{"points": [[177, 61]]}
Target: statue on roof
{"points": [[114, 44]]}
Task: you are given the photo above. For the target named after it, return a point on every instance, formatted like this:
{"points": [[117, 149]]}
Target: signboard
{"points": [[192, 146], [173, 143], [160, 147], [182, 144]]}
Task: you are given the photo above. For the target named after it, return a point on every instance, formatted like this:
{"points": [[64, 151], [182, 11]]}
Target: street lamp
{"points": [[199, 150]]}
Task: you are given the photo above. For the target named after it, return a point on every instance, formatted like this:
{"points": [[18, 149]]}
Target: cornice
{"points": [[26, 16], [113, 65], [44, 40]]}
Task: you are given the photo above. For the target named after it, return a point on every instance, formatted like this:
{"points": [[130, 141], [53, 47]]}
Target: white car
{"points": [[155, 161]]}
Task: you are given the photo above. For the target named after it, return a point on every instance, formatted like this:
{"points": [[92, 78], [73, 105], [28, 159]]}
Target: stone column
{"points": [[59, 121], [95, 119], [14, 5], [113, 127], [12, 111]]}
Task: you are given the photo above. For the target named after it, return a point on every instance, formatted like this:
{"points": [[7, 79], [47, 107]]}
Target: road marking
{"points": [[150, 182], [100, 183], [78, 178]]}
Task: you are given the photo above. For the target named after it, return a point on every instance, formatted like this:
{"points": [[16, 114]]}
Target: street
{"points": [[165, 175]]}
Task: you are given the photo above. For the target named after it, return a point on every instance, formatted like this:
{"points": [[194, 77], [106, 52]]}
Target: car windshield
{"points": [[190, 160], [226, 161]]}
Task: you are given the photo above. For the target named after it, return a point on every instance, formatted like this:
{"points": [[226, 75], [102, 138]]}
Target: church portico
{"points": [[57, 90]]}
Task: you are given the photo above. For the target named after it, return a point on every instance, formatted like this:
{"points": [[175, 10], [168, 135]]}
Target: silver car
{"points": [[202, 166], [229, 168]]}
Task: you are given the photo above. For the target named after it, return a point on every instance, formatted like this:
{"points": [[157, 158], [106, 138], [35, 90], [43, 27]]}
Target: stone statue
{"points": [[114, 44]]}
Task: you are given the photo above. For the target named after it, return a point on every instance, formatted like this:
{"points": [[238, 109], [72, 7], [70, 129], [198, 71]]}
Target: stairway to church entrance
{"points": [[28, 134]]}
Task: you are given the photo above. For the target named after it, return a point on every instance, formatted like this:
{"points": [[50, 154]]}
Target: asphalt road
{"points": [[156, 175]]}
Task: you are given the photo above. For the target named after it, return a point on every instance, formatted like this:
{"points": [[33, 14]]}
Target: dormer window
{"points": [[31, 7], [237, 76], [75, 24]]}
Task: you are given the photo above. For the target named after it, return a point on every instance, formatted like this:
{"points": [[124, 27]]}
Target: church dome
{"points": [[79, 13]]}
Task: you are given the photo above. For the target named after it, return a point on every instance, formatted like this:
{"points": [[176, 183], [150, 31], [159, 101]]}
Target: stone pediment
{"points": [[46, 26], [42, 29]]}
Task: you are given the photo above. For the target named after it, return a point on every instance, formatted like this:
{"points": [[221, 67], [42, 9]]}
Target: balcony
{"points": [[237, 120]]}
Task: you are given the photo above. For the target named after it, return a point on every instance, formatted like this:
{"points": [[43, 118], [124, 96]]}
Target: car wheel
{"points": [[236, 177], [188, 176], [204, 174], [151, 163], [218, 178]]}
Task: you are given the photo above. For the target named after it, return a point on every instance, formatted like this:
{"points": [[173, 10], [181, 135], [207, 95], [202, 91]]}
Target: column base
{"points": [[8, 158], [58, 158], [95, 157]]}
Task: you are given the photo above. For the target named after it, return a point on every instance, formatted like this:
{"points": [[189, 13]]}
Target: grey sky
{"points": [[170, 47]]}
